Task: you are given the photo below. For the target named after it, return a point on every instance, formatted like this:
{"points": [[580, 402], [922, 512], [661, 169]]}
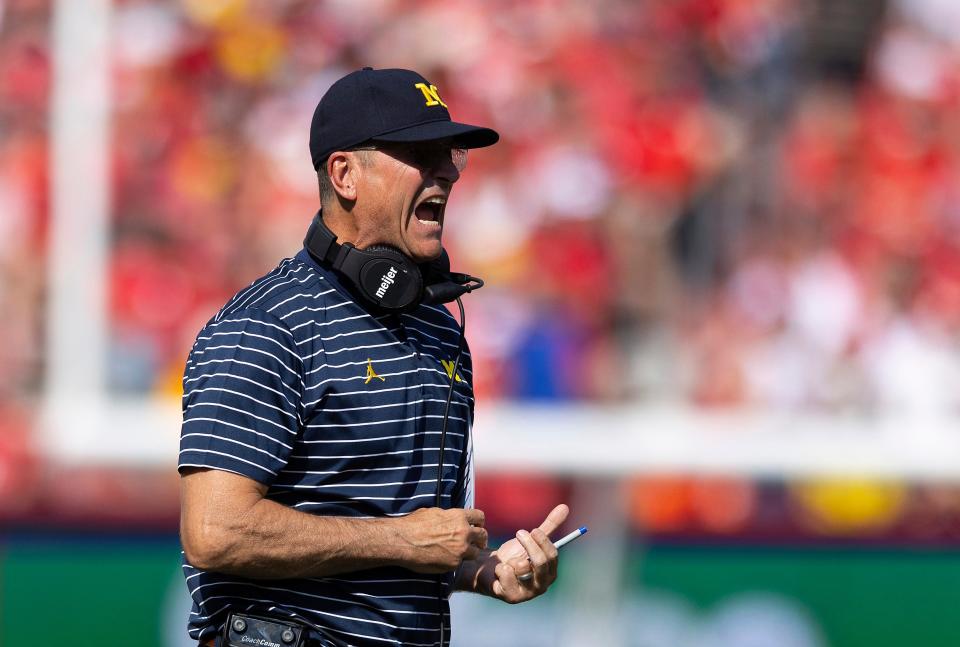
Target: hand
{"points": [[528, 552], [433, 540]]}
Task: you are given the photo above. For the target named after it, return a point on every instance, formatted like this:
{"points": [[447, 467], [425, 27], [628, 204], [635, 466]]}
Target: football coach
{"points": [[325, 457]]}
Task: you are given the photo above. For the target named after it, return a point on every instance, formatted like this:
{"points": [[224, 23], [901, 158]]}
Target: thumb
{"points": [[555, 519]]}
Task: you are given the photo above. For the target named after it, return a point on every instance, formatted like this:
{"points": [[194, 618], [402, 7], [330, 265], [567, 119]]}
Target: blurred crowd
{"points": [[689, 203]]}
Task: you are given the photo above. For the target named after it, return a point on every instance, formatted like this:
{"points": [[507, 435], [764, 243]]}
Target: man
{"points": [[315, 403]]}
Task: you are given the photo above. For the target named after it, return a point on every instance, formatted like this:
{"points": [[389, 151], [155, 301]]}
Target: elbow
{"points": [[206, 546], [217, 520]]}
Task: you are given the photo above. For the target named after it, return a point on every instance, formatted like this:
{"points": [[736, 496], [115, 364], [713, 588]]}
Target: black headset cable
{"points": [[443, 437], [446, 408]]}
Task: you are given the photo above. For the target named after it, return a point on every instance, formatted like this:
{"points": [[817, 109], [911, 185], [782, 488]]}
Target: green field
{"points": [[113, 591]]}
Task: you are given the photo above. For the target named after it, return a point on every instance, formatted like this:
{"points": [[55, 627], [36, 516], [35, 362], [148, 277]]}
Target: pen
{"points": [[563, 541], [579, 532]]}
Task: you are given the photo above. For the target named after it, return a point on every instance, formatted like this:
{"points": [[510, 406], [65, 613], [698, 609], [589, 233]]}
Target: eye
{"points": [[431, 157]]}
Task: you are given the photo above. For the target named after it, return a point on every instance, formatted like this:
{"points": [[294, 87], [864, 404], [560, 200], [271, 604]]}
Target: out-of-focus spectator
{"points": [[680, 210], [669, 171]]}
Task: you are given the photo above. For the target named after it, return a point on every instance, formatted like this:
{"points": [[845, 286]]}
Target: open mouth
{"points": [[430, 211]]}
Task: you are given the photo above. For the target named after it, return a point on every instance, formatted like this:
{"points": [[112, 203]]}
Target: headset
{"points": [[386, 278], [391, 282]]}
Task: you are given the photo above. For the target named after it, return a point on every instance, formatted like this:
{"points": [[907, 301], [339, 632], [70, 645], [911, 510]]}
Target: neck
{"points": [[342, 223]]}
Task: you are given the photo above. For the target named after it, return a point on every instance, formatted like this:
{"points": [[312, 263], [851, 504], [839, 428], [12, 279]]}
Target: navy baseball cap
{"points": [[389, 106]]}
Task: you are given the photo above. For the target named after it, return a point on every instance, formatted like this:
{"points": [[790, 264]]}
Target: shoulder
{"points": [[289, 286], [259, 315]]}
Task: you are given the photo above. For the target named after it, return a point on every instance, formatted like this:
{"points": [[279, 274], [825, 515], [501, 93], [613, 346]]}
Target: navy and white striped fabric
{"points": [[295, 385]]}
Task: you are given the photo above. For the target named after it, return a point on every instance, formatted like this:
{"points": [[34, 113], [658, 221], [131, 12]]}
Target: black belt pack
{"points": [[246, 630]]}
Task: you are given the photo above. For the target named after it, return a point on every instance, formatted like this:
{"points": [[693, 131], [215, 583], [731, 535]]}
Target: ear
{"points": [[344, 170]]}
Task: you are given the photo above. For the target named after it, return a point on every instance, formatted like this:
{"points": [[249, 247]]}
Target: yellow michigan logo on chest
{"points": [[448, 366]]}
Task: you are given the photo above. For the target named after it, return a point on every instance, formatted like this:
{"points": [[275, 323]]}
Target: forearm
{"points": [[270, 540], [227, 524]]}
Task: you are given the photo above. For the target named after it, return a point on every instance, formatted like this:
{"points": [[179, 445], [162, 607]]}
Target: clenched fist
{"points": [[434, 540]]}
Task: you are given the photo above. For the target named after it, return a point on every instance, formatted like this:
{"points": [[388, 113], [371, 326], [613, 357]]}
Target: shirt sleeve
{"points": [[464, 494], [242, 397]]}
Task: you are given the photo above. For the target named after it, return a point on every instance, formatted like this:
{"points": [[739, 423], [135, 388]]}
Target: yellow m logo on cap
{"points": [[431, 94]]}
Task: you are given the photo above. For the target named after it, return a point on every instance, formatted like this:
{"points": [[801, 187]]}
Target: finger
{"points": [[555, 519], [509, 587], [548, 549], [475, 517], [522, 567], [534, 553], [478, 537], [545, 544], [470, 552]]}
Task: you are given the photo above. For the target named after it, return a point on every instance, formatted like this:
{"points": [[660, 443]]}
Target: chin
{"points": [[426, 253]]}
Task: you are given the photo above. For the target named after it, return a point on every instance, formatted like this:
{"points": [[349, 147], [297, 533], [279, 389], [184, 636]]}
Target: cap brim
{"points": [[462, 135]]}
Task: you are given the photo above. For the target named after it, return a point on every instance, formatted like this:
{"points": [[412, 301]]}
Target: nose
{"points": [[445, 169]]}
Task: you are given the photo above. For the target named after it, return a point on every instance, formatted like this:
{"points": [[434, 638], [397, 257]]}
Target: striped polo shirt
{"points": [[298, 386]]}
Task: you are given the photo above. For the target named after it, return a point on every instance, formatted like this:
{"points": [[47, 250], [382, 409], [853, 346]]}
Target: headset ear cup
{"points": [[382, 275], [389, 279]]}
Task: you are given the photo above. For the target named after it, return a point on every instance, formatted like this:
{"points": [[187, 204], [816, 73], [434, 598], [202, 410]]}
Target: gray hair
{"points": [[327, 193]]}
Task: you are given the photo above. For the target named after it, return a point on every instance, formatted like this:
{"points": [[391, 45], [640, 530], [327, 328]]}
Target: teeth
{"points": [[436, 204]]}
